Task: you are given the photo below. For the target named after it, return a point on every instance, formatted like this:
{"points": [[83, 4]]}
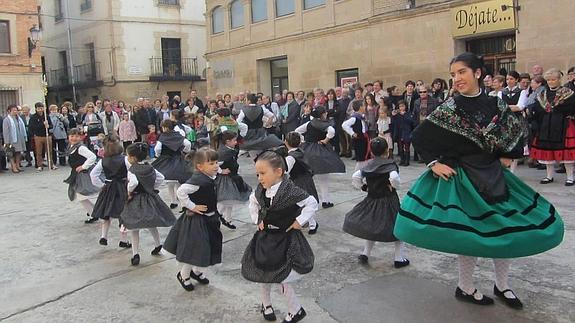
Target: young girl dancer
{"points": [[356, 127], [373, 218], [145, 208], [319, 153], [113, 196], [170, 161], [232, 190], [196, 239], [278, 253], [81, 160], [299, 171]]}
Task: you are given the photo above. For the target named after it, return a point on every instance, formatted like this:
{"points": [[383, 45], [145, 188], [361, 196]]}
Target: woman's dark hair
{"points": [[318, 111], [309, 95], [11, 106], [401, 102], [224, 112], [139, 150], [177, 114], [523, 76], [292, 94], [228, 135], [514, 74], [540, 79], [74, 132], [202, 155], [293, 139], [440, 82], [410, 82], [391, 89], [112, 146], [378, 146], [252, 98], [275, 159], [371, 97], [472, 61], [332, 91], [356, 105], [168, 124]]}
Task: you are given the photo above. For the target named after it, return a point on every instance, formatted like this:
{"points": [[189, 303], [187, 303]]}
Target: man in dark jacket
{"points": [[339, 117], [38, 125], [142, 120], [291, 122], [195, 100]]}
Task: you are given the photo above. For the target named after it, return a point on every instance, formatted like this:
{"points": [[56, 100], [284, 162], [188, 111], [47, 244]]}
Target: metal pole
{"points": [[71, 60]]}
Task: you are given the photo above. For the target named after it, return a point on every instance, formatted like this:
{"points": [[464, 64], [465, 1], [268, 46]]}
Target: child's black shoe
{"points": [[157, 250], [135, 260], [199, 278], [269, 316], [103, 241]]}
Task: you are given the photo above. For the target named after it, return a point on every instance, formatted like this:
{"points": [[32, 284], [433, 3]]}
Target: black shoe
{"points": [[103, 241], [314, 230], [326, 205], [401, 264], [91, 220], [157, 250], [227, 224], [363, 259], [541, 167], [123, 244], [135, 260], [189, 287], [569, 182], [546, 180], [268, 317], [511, 302], [173, 206], [199, 278], [296, 317], [469, 298], [561, 170]]}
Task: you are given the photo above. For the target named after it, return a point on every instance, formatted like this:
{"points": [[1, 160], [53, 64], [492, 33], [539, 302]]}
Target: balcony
{"points": [[86, 76], [168, 69], [86, 5]]}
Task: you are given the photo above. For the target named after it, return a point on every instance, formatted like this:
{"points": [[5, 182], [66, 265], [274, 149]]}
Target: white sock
{"points": [[123, 236], [466, 269], [513, 165], [156, 235], [88, 206], [198, 271], [172, 190], [569, 171], [323, 187], [367, 248], [266, 295], [502, 275], [550, 171], [293, 303], [135, 241], [185, 272], [105, 228], [226, 211], [399, 251]]}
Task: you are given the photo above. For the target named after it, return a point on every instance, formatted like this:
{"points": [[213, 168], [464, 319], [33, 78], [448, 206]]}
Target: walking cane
{"points": [[48, 141]]}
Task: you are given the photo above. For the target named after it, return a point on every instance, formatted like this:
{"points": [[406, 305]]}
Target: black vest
{"points": [[282, 218], [206, 194], [357, 127], [313, 133], [115, 167], [146, 176], [229, 159], [75, 159], [300, 167], [378, 185], [257, 122]]}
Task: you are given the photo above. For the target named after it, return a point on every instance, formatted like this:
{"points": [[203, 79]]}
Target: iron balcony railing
{"points": [[174, 69], [85, 74]]}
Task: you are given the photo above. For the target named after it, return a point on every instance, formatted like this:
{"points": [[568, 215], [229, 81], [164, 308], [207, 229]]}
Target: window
{"points": [[8, 96], [169, 2], [86, 5], [259, 10], [59, 14], [237, 14], [312, 3], [5, 37], [218, 20], [347, 77], [284, 7], [171, 56]]}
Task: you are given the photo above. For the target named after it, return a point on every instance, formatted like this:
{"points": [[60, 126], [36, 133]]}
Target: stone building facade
{"points": [[20, 72], [123, 49], [270, 45]]}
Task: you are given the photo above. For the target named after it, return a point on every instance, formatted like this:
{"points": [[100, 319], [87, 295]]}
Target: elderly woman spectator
{"points": [[59, 135], [110, 120], [14, 134]]}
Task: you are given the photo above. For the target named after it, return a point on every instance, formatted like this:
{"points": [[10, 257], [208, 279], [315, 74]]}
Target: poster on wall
{"points": [[348, 81]]}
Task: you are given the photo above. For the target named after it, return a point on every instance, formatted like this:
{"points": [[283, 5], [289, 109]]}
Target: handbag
{"points": [[9, 151], [95, 128]]}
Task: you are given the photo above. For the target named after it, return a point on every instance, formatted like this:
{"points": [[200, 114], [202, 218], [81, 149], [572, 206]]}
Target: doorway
{"points": [[279, 75], [498, 53]]}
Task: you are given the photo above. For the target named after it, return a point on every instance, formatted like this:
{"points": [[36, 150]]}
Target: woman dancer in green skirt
{"points": [[468, 203]]}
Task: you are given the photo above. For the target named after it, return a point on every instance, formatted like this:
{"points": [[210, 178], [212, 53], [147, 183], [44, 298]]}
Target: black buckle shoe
{"points": [[268, 317], [295, 317], [91, 220], [202, 280], [362, 259], [123, 244], [569, 182], [103, 241], [227, 224], [157, 250], [189, 287], [401, 264], [135, 260], [173, 206], [326, 205], [314, 230], [514, 303], [469, 298], [546, 180]]}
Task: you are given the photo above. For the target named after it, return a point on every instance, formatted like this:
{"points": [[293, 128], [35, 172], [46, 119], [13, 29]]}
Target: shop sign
{"points": [[483, 17]]}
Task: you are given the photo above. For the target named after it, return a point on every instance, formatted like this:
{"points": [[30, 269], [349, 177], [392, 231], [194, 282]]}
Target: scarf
{"points": [[13, 130]]}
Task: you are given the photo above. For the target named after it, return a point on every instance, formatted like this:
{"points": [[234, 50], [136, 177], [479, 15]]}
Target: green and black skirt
{"points": [[452, 217]]}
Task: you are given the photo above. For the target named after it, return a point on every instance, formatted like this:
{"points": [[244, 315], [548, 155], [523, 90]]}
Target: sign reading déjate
{"points": [[482, 17]]}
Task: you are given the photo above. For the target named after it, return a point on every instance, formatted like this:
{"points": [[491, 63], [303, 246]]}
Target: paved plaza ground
{"points": [[52, 268]]}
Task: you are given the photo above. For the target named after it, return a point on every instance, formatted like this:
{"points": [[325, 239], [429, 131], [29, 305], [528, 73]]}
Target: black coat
{"points": [[293, 118], [142, 120], [36, 125]]}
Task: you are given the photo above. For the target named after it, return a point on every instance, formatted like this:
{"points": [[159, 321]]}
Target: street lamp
{"points": [[35, 36], [504, 7]]}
